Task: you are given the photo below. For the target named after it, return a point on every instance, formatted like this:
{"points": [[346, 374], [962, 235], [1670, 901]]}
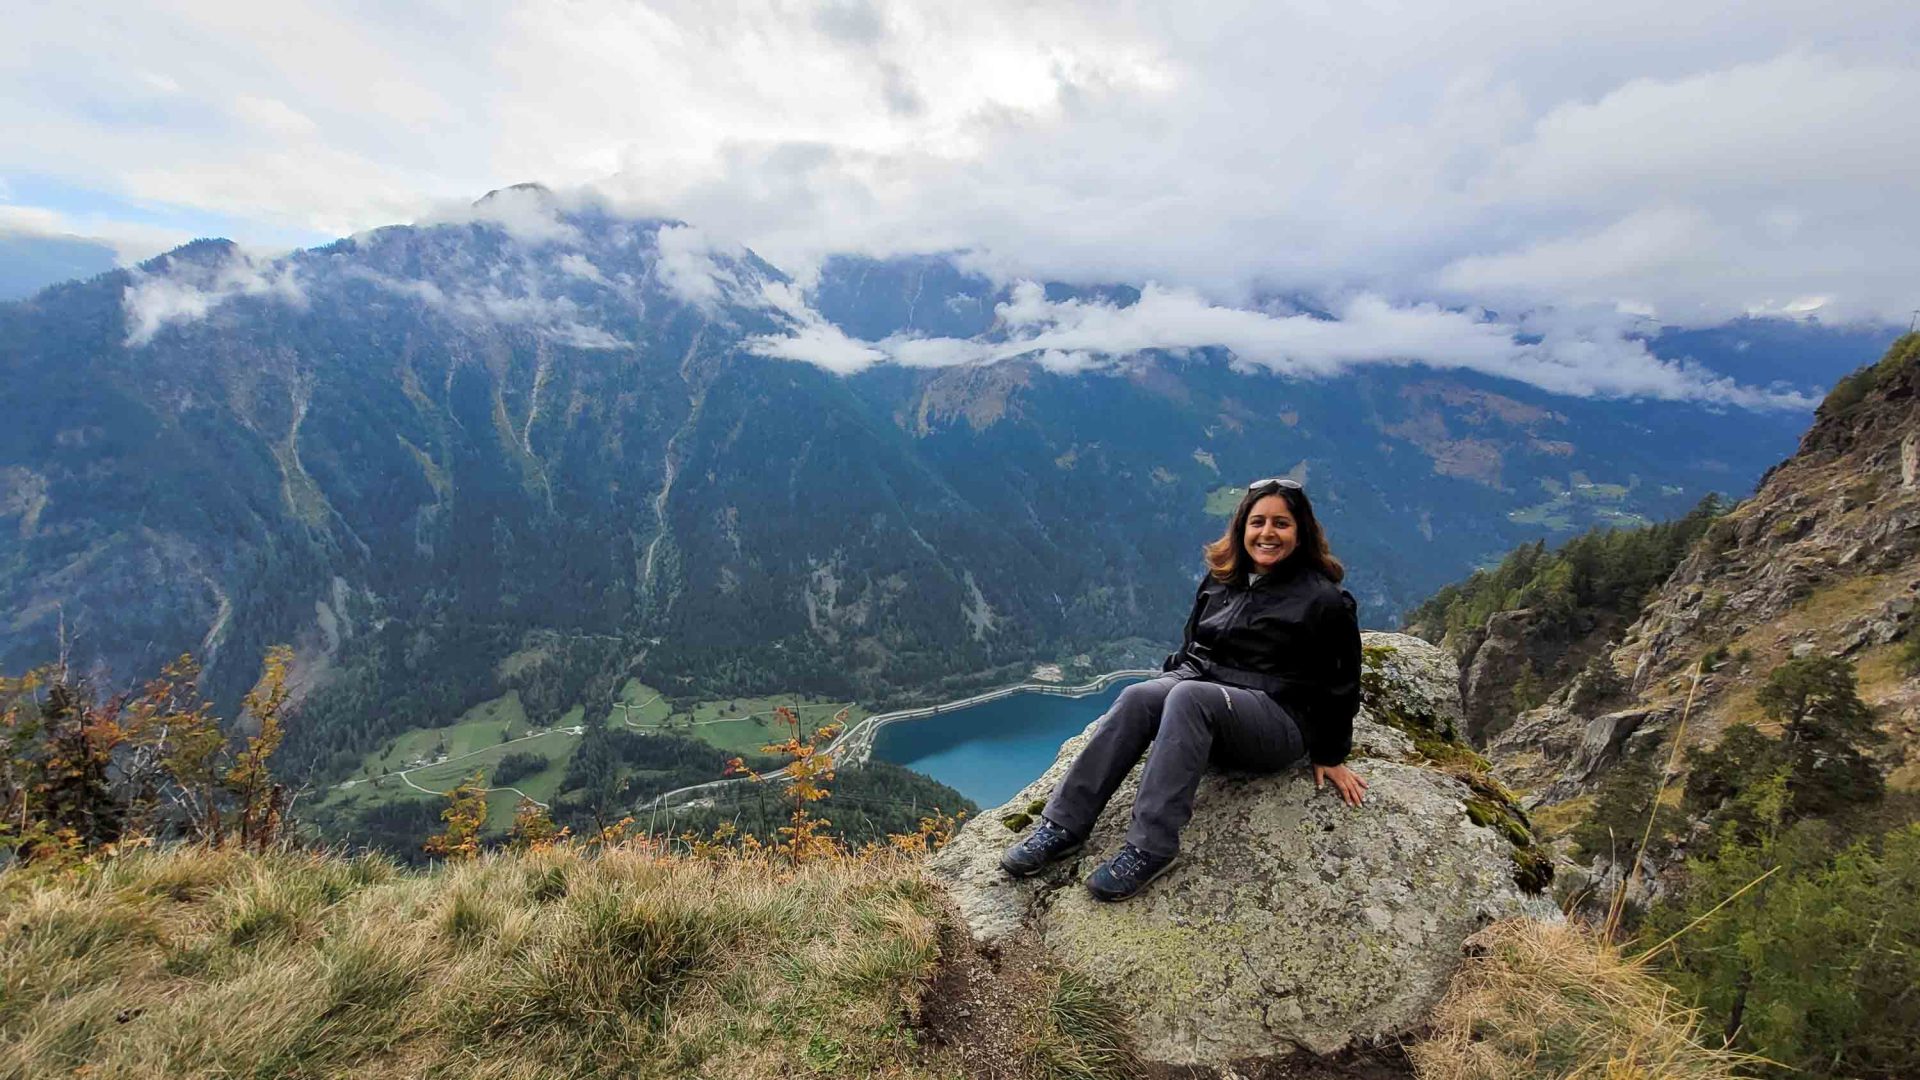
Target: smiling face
{"points": [[1271, 534]]}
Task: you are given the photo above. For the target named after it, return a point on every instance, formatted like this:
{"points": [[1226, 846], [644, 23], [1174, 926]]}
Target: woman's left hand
{"points": [[1345, 781]]}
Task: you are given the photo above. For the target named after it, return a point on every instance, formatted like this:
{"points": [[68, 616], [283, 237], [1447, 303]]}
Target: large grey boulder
{"points": [[1292, 921]]}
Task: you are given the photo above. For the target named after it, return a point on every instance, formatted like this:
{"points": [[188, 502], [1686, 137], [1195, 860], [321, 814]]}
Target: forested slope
{"points": [[1738, 769]]}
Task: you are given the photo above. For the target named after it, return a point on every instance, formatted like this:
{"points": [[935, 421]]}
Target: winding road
{"points": [[408, 780]]}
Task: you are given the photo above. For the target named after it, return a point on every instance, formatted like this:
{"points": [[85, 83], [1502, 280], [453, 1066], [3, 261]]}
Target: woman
{"points": [[1269, 670]]}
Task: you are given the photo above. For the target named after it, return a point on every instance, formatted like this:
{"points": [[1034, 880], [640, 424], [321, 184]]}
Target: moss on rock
{"points": [[1533, 868], [1020, 819]]}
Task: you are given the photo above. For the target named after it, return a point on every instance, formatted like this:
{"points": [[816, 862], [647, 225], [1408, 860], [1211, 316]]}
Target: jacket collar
{"points": [[1287, 571]]}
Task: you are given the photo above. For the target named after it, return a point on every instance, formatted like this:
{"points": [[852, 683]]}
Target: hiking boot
{"points": [[1127, 873], [1047, 843]]}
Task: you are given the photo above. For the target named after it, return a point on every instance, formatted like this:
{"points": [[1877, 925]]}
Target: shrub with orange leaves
{"points": [[808, 770], [807, 773], [533, 828], [465, 815], [79, 774], [611, 835], [261, 804], [931, 836], [194, 752]]}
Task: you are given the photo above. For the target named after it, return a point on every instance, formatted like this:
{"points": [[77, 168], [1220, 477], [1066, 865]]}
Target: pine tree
{"points": [[1769, 798], [1827, 728], [1814, 966]]}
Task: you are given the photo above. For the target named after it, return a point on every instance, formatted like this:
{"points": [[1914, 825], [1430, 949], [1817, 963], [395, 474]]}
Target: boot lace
{"points": [[1046, 834], [1129, 862]]}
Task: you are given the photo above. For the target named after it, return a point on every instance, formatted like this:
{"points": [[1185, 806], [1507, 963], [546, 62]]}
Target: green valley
{"points": [[739, 725], [1581, 502], [397, 790]]}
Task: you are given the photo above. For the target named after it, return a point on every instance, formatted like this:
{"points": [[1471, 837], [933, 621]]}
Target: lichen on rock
{"points": [[1293, 920], [1402, 685]]}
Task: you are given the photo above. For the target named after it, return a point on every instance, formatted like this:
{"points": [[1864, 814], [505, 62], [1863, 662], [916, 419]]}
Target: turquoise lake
{"points": [[989, 752]]}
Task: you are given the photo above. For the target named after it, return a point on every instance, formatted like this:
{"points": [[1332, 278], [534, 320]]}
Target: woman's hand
{"points": [[1345, 781]]}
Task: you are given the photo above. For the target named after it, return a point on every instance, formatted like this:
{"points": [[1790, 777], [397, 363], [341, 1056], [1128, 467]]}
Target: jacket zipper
{"points": [[1239, 606]]}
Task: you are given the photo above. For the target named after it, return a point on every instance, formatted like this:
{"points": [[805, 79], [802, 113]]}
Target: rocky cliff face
{"points": [[1293, 921], [1824, 558], [1515, 650]]}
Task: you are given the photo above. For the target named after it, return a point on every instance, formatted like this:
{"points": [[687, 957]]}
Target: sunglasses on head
{"points": [[1277, 482]]}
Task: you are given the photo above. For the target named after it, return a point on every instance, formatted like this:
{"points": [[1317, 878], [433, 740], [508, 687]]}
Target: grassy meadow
{"points": [[558, 963], [740, 725], [1579, 502], [422, 763]]}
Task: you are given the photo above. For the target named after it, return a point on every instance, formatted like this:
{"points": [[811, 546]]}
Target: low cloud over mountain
{"points": [[555, 286], [1591, 359]]}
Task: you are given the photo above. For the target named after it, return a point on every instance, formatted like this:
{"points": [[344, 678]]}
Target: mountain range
{"points": [[32, 261], [547, 446]]}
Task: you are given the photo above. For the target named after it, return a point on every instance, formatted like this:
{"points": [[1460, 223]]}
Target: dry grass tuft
{"points": [[1537, 1000], [1079, 1035]]}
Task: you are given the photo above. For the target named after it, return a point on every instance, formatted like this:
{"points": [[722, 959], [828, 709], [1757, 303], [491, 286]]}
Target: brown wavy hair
{"points": [[1227, 557]]}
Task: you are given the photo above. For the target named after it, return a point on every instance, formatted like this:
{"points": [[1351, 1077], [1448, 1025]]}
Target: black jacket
{"points": [[1294, 635]]}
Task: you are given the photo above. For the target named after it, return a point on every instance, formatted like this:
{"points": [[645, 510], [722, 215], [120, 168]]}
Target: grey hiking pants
{"points": [[1190, 723]]}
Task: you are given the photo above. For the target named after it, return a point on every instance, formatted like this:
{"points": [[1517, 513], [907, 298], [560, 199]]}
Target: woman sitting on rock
{"points": [[1269, 671]]}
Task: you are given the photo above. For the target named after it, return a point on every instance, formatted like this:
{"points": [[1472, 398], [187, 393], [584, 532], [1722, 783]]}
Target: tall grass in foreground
{"points": [[1541, 1000], [204, 962]]}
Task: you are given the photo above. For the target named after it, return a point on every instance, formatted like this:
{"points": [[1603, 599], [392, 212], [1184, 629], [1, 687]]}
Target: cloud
{"points": [[530, 213], [687, 268], [32, 220], [189, 289], [1763, 188], [853, 21], [582, 336], [273, 116], [557, 318], [1739, 158], [578, 265], [131, 242], [812, 339], [1585, 356], [413, 288], [1246, 152]]}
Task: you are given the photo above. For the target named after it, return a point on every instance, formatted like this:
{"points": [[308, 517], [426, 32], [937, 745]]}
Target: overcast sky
{"points": [[1687, 161]]}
